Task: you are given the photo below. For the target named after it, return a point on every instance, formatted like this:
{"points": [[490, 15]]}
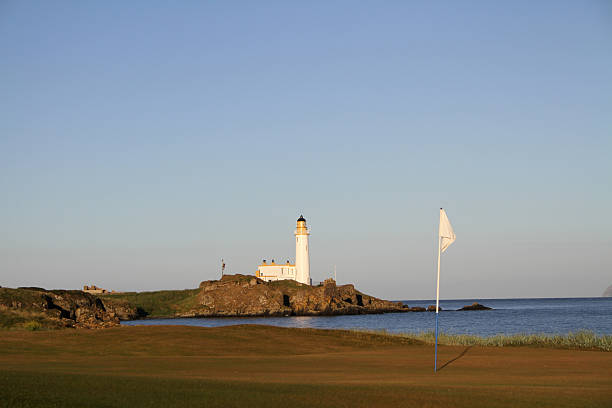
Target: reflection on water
{"points": [[304, 321], [553, 316]]}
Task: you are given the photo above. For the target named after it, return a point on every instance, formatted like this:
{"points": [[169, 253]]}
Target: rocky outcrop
{"points": [[122, 309], [56, 308], [245, 295], [475, 306]]}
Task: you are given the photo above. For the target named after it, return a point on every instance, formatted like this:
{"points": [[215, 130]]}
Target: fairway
{"points": [[269, 366]]}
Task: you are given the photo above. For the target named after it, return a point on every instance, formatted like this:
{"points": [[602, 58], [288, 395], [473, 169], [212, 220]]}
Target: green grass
{"points": [[162, 303], [580, 340]]}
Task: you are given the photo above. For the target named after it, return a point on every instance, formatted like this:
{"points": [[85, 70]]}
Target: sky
{"points": [[142, 142]]}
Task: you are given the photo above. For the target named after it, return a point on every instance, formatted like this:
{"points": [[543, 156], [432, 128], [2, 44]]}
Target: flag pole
{"points": [[437, 299]]}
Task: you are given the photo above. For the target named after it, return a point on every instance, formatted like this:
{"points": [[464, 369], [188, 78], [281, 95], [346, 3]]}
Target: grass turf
{"points": [[161, 303], [270, 366]]}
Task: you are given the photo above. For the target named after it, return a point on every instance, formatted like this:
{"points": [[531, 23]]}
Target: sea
{"points": [[509, 316]]}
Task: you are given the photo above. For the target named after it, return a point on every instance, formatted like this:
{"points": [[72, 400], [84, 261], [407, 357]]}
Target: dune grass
{"points": [[580, 340]]}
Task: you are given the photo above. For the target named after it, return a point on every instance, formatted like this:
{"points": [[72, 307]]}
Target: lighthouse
{"points": [[300, 271], [302, 259]]}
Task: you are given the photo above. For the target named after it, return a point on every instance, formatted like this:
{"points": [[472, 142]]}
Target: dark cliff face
{"points": [[55, 308], [244, 295]]}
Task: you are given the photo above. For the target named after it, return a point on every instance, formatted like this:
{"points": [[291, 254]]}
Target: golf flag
{"points": [[447, 235]]}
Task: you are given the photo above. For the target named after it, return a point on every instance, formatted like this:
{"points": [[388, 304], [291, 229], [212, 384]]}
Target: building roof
{"points": [[277, 265], [302, 218]]}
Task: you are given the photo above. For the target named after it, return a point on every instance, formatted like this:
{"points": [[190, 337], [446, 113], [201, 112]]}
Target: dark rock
{"points": [[432, 308], [475, 306], [414, 308]]}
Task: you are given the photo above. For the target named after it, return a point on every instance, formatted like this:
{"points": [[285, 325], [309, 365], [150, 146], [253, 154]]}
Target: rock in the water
{"points": [[414, 308], [475, 306], [245, 295], [432, 308], [608, 292]]}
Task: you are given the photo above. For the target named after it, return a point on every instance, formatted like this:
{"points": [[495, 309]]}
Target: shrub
{"points": [[32, 325]]}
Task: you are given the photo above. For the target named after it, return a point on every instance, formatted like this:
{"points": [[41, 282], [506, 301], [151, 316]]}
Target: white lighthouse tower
{"points": [[302, 259]]}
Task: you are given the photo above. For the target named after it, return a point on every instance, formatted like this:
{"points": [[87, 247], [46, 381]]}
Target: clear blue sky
{"points": [[141, 142]]}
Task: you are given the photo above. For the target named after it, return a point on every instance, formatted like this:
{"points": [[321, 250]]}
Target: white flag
{"points": [[447, 234]]}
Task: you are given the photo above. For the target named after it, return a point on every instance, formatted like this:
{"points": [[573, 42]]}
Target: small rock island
{"points": [[474, 306], [245, 295]]}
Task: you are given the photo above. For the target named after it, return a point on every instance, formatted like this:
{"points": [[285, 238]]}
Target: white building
{"points": [[301, 270]]}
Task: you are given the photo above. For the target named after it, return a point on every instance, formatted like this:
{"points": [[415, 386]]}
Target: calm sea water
{"points": [[510, 316]]}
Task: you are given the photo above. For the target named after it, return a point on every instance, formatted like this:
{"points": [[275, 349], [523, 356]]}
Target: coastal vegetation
{"points": [[156, 304], [263, 366], [580, 340], [12, 316], [36, 308], [16, 319]]}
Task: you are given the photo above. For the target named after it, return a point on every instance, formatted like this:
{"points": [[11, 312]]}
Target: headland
{"points": [[231, 296], [248, 296]]}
